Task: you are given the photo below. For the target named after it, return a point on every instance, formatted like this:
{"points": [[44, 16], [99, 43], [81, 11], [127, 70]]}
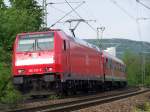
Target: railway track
{"points": [[83, 102]]}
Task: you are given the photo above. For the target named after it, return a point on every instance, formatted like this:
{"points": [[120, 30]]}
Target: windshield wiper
{"points": [[38, 46]]}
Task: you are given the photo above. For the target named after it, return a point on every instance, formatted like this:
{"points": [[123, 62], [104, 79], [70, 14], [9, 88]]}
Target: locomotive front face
{"points": [[34, 54]]}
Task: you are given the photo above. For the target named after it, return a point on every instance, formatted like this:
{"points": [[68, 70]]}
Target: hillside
{"points": [[123, 45]]}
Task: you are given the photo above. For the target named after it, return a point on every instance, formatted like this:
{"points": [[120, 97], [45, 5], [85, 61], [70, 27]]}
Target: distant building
{"points": [[111, 50]]}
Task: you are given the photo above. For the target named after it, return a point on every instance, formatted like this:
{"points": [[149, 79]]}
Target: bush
{"points": [[4, 77], [11, 97], [8, 95], [134, 68], [143, 107]]}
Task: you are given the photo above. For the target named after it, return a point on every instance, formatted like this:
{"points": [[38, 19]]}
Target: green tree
{"points": [[133, 67], [20, 16], [134, 70], [2, 5], [147, 70]]}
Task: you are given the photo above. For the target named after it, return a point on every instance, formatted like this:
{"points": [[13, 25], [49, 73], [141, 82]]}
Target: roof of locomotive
{"points": [[82, 42], [38, 32], [65, 36], [112, 57]]}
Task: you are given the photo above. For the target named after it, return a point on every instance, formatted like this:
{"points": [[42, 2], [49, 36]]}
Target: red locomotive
{"points": [[52, 60]]}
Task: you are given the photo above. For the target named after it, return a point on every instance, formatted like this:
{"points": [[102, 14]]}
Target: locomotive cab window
{"points": [[26, 45], [36, 42], [45, 44]]}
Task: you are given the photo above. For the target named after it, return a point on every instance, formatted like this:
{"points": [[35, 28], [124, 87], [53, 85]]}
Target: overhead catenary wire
{"points": [[95, 30], [80, 16], [62, 11], [89, 10], [67, 14], [58, 3], [57, 9], [143, 4], [143, 18], [99, 38], [121, 8]]}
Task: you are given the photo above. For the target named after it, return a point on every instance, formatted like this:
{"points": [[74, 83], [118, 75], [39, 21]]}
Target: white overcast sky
{"points": [[118, 24]]}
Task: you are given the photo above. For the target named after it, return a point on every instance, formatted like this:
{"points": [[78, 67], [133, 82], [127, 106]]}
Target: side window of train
{"points": [[64, 45]]}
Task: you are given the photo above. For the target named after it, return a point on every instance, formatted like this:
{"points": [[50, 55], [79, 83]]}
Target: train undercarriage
{"points": [[51, 83]]}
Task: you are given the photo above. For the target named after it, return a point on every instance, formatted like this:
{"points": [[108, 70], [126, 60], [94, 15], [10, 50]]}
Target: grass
{"points": [[143, 107]]}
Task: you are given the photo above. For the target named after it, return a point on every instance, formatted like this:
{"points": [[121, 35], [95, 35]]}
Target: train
{"points": [[54, 61]]}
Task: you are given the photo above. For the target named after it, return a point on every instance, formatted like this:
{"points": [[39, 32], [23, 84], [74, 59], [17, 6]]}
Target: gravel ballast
{"points": [[124, 105]]}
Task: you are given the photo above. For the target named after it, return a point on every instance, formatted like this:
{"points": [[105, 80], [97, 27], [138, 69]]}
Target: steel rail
{"points": [[84, 104], [77, 104]]}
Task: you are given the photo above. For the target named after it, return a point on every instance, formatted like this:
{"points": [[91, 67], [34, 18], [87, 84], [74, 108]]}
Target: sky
{"points": [[117, 16]]}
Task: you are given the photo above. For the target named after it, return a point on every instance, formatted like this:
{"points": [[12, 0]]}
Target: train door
{"points": [[104, 61], [103, 67], [67, 57], [112, 69]]}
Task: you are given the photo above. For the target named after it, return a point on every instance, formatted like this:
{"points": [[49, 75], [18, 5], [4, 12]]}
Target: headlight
{"points": [[48, 69], [21, 71]]}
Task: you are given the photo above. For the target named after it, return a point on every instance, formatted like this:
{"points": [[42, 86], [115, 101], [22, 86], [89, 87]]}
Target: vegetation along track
{"points": [[83, 102]]}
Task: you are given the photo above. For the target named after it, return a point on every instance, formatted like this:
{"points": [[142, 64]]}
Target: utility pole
{"points": [[102, 28], [44, 4]]}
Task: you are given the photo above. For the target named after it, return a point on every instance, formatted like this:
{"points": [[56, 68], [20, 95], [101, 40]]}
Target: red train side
{"points": [[114, 70], [53, 60]]}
